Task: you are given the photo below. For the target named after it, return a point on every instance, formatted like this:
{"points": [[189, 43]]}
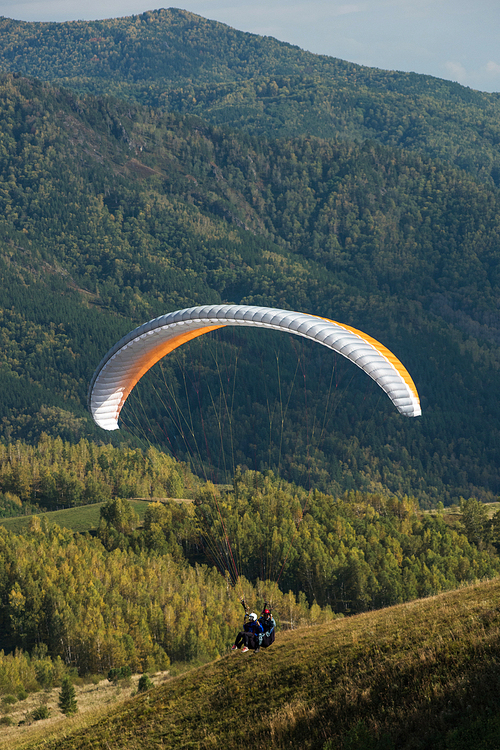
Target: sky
{"points": [[454, 39]]}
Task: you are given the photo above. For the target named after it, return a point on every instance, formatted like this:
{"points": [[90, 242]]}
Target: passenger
{"points": [[250, 636]]}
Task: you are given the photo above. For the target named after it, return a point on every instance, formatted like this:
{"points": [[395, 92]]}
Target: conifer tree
{"points": [[145, 683], [67, 697]]}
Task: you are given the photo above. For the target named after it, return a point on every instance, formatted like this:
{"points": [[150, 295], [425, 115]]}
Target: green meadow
{"points": [[80, 519]]}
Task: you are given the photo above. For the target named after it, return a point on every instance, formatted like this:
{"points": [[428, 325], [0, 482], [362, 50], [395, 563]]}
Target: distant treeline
{"points": [[57, 474]]}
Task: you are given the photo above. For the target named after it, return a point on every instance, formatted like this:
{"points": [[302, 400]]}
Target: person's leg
{"points": [[249, 640]]}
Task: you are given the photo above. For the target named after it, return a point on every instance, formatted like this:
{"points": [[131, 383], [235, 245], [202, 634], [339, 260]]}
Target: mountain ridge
{"points": [[177, 60]]}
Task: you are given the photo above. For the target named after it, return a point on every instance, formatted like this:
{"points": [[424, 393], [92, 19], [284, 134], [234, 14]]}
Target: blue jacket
{"points": [[253, 626]]}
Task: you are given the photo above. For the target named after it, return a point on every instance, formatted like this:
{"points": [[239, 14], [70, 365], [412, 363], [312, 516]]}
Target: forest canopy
{"points": [[159, 590], [112, 213]]}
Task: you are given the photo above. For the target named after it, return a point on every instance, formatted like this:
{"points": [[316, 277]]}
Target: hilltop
{"points": [[418, 675], [174, 60]]}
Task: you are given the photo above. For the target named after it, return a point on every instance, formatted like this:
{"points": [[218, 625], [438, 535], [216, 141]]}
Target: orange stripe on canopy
{"points": [[401, 369], [153, 356]]}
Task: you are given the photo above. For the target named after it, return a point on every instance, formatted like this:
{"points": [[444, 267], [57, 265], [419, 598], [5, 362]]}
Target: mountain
{"points": [[417, 675], [162, 161], [114, 211], [175, 60]]}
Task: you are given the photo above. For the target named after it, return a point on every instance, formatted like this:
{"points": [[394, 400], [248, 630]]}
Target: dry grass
{"points": [[453, 512], [94, 700], [492, 508]]}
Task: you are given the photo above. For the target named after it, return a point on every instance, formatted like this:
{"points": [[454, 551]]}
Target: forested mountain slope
{"points": [[176, 60], [112, 213]]}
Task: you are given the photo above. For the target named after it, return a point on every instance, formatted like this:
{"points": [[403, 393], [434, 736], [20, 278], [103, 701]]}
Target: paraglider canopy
{"points": [[126, 362]]}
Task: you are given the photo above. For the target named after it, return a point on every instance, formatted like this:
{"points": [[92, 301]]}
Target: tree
{"points": [[67, 697], [120, 515], [145, 683], [474, 518]]}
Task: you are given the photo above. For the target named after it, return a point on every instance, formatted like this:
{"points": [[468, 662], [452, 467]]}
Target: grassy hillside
{"points": [[84, 518], [419, 675], [77, 519], [93, 695]]}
